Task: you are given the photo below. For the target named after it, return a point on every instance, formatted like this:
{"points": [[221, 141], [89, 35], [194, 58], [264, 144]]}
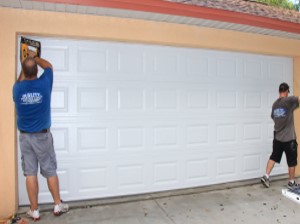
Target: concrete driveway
{"points": [[251, 203]]}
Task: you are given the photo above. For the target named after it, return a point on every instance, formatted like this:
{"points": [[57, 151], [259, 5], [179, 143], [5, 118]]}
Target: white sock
{"points": [[292, 181], [267, 175]]}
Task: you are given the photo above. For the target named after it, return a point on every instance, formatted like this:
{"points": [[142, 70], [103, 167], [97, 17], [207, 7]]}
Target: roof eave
{"points": [[179, 9]]}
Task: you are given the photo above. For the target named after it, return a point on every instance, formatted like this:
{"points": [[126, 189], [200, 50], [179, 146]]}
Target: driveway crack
{"points": [[165, 212]]}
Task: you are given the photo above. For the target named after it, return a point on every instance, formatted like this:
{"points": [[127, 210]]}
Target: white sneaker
{"points": [[35, 214], [61, 208]]}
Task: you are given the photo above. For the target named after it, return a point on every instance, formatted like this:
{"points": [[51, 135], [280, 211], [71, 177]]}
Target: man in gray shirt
{"points": [[284, 135]]}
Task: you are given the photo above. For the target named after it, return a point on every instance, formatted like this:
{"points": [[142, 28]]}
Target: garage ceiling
{"points": [[154, 13]]}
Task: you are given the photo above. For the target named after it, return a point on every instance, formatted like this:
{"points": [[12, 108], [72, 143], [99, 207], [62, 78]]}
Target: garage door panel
{"points": [[61, 139], [197, 170], [89, 184], [227, 99], [60, 104], [60, 56], [197, 135], [271, 98], [134, 118], [92, 99], [91, 61], [252, 164], [270, 130], [280, 168], [197, 99], [226, 133], [253, 69], [252, 100], [44, 194], [252, 132], [165, 173], [165, 136], [197, 66], [131, 63], [165, 64], [226, 166], [131, 176], [166, 99], [276, 70], [132, 99], [226, 68], [92, 139]]}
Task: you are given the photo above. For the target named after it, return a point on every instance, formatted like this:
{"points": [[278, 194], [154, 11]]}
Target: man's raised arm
{"points": [[40, 61]]}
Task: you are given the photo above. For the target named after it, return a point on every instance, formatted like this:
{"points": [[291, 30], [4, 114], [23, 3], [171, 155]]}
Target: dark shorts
{"points": [[37, 149], [290, 149]]}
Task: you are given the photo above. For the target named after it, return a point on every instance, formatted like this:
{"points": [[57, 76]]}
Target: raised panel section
{"points": [[131, 62], [92, 139], [271, 98], [130, 176], [92, 179], [197, 169], [226, 68], [276, 71], [131, 138], [226, 166], [165, 99], [252, 100], [197, 66], [91, 61], [253, 69], [59, 57], [197, 135], [197, 99], [165, 173], [270, 129], [90, 99], [63, 175], [226, 99], [252, 163], [252, 132], [64, 181], [131, 99], [226, 133], [60, 139], [165, 136], [165, 64], [59, 101]]}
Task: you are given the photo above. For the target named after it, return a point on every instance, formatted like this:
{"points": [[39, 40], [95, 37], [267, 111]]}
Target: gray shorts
{"points": [[37, 148]]}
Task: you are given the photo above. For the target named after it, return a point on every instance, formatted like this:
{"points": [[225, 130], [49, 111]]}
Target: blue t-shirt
{"points": [[32, 99]]}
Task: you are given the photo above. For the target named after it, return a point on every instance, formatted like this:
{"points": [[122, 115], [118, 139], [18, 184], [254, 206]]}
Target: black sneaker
{"points": [[265, 181], [293, 185]]}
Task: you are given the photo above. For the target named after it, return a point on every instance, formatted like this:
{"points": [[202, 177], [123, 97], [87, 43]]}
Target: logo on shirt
{"points": [[31, 98], [280, 113]]}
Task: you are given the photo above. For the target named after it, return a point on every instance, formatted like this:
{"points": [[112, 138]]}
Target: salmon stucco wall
{"points": [[30, 22]]}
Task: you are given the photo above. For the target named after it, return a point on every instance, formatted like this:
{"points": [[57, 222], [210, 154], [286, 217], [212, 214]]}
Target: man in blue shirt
{"points": [[32, 97]]}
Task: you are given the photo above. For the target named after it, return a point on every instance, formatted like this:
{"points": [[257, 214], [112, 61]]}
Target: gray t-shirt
{"points": [[283, 117]]}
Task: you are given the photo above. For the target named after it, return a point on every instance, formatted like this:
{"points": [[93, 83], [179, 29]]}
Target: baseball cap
{"points": [[284, 87]]}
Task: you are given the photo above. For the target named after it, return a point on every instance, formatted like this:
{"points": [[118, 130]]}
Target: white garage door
{"points": [[132, 118]]}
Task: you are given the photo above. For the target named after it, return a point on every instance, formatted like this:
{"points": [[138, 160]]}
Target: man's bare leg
{"points": [[292, 173], [32, 187], [53, 185], [270, 166]]}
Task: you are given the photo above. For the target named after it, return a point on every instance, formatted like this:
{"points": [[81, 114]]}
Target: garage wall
{"points": [[15, 21]]}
